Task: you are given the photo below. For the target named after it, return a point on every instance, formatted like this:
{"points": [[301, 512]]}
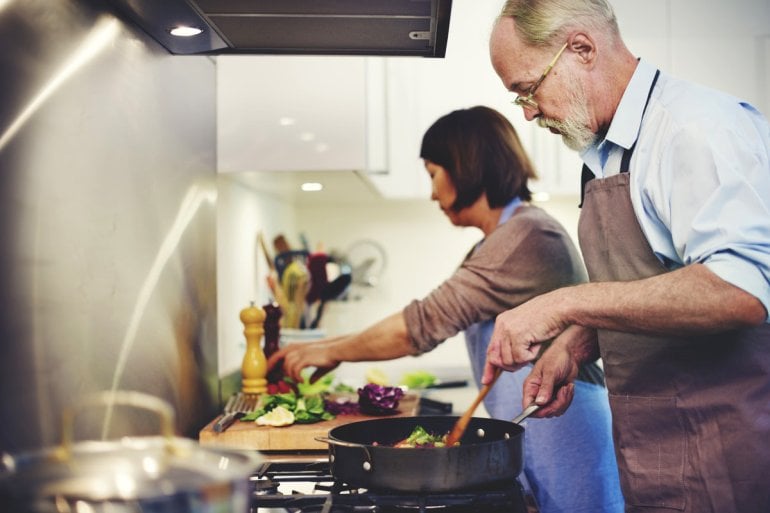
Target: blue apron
{"points": [[569, 461]]}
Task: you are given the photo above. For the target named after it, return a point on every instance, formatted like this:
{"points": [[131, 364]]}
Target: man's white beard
{"points": [[574, 128]]}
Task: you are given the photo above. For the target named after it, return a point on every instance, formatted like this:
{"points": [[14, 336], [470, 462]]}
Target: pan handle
{"points": [[529, 410], [367, 465]]}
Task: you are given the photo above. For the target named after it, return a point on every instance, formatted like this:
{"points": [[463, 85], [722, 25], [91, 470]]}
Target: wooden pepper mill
{"points": [[254, 367]]}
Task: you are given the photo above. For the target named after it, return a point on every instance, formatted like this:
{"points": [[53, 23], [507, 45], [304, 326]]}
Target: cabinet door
{"points": [[291, 113]]}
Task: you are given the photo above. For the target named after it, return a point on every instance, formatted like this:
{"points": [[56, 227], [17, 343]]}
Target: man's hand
{"points": [[519, 333], [551, 382]]}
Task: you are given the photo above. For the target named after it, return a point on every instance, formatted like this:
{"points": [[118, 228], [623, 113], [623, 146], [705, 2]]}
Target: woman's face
{"points": [[442, 190]]}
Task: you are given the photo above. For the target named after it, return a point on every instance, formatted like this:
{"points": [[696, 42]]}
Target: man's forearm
{"points": [[690, 300]]}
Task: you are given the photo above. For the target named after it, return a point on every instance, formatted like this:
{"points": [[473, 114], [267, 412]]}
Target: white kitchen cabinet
{"points": [[297, 113]]}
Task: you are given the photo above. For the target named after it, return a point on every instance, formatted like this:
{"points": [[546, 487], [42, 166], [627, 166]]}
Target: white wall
{"points": [[241, 268], [422, 248]]}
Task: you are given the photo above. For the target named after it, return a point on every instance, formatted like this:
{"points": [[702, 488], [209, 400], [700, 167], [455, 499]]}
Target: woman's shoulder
{"points": [[532, 217]]}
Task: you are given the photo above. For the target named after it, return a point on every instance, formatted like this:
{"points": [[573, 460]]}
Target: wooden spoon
{"points": [[462, 423]]}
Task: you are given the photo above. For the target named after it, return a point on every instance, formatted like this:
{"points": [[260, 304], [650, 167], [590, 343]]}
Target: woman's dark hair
{"points": [[481, 152]]}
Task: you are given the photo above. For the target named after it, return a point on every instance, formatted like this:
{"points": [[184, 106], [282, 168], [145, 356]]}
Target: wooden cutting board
{"points": [[297, 437]]}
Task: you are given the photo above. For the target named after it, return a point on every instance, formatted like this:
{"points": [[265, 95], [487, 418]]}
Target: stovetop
{"points": [[308, 486]]}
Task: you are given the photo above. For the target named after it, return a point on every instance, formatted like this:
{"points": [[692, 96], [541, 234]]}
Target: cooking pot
{"points": [[361, 454], [151, 474]]}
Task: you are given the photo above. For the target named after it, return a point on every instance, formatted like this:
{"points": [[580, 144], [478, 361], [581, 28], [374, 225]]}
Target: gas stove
{"points": [[307, 485]]}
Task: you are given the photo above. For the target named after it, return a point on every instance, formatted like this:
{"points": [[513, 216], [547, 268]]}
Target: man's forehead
{"points": [[508, 53]]}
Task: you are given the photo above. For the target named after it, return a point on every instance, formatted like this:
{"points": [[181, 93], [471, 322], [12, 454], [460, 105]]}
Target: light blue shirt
{"points": [[700, 176]]}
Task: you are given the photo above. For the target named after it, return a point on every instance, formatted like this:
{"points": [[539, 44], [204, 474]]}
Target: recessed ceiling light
{"points": [[312, 187], [286, 121], [183, 31]]}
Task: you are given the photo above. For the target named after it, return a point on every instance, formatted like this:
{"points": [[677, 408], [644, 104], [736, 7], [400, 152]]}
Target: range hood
{"points": [[323, 27]]}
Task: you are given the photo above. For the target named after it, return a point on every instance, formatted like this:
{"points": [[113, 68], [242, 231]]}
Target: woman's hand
{"points": [[295, 357]]}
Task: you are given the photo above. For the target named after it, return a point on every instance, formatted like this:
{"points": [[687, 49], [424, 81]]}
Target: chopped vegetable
{"points": [[418, 379], [305, 409], [379, 400], [421, 438], [278, 416], [310, 409], [279, 387], [322, 386], [342, 406], [376, 376]]}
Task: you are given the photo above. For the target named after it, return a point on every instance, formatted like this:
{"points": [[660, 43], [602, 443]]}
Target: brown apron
{"points": [[691, 416]]}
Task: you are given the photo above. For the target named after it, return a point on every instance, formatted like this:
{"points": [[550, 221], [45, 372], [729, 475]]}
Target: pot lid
{"points": [[131, 468], [123, 469]]}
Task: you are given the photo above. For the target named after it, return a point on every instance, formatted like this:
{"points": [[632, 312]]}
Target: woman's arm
{"points": [[384, 340]]}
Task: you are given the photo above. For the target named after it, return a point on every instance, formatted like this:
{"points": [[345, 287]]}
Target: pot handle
{"points": [[367, 466], [108, 399], [529, 410]]}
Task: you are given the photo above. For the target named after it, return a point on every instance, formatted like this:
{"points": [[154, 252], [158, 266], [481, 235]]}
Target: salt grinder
{"points": [[254, 367]]}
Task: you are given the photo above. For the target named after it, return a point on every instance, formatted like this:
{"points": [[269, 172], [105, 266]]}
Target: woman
{"points": [[479, 172]]}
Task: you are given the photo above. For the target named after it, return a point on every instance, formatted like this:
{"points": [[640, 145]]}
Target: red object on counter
{"points": [[316, 264]]}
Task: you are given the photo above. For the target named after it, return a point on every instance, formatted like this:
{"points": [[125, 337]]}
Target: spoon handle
{"points": [[462, 423]]}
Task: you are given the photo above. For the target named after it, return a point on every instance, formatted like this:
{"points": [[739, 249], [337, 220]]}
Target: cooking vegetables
{"points": [[421, 438], [376, 399]]}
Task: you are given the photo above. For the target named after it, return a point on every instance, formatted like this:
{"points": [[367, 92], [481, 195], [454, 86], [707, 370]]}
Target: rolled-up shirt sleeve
{"points": [[710, 204], [528, 255]]}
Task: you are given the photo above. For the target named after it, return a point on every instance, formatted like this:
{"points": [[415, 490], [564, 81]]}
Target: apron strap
{"points": [[587, 175]]}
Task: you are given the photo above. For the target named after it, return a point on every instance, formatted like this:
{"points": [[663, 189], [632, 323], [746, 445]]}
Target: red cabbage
{"points": [[379, 400], [341, 407]]}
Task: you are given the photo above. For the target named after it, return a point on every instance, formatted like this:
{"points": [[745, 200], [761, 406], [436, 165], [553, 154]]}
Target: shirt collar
{"points": [[627, 121], [508, 210]]}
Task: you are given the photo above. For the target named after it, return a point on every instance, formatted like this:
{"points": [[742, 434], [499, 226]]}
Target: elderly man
{"points": [[675, 233]]}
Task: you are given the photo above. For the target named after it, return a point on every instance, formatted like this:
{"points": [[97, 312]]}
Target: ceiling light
{"points": [[312, 187], [183, 31], [306, 136], [286, 121]]}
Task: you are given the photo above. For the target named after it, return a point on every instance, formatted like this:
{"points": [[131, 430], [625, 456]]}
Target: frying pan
{"points": [[490, 452]]}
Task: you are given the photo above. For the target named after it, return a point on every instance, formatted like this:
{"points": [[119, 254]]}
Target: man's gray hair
{"points": [[547, 22]]}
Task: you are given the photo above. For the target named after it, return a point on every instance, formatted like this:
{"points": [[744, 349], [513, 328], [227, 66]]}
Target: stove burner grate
{"points": [[274, 485]]}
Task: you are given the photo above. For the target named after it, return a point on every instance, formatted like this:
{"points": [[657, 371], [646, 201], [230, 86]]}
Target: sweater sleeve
{"points": [[526, 256]]}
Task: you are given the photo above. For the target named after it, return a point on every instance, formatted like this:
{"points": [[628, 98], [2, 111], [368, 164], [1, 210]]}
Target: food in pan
{"points": [[420, 438]]}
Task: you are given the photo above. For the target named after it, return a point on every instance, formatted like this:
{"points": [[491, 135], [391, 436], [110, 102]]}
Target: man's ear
{"points": [[584, 46]]}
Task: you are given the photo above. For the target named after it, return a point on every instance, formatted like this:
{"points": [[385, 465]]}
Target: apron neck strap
{"points": [[587, 175]]}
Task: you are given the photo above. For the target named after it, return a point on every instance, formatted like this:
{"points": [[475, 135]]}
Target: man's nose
{"points": [[531, 114]]}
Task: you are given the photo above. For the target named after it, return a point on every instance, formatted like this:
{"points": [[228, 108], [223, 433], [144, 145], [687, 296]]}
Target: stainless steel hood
{"points": [[334, 27]]}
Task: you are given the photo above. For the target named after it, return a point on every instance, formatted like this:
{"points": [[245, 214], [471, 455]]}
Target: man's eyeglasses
{"points": [[528, 101]]}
